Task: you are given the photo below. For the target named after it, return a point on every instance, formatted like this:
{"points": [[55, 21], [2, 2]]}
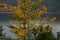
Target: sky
{"points": [[53, 7]]}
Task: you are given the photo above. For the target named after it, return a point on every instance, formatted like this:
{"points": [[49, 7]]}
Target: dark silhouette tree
{"points": [[1, 33], [45, 34], [58, 35]]}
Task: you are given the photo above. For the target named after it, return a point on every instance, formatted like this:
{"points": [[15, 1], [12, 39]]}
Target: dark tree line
{"points": [[47, 35]]}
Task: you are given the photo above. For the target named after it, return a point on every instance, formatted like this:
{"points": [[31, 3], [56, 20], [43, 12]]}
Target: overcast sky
{"points": [[52, 5]]}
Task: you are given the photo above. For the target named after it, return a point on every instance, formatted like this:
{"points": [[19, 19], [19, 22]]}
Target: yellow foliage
{"points": [[17, 12], [28, 7], [33, 3], [36, 27], [22, 13], [40, 12], [26, 16], [28, 1], [14, 30], [48, 31], [19, 29], [38, 16], [39, 22], [22, 4], [40, 1], [45, 18], [52, 19], [43, 28], [21, 21], [32, 23], [44, 9], [44, 31], [17, 22], [17, 34], [21, 32], [22, 16]]}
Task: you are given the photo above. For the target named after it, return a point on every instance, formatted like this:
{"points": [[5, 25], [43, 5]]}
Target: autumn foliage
{"points": [[27, 11]]}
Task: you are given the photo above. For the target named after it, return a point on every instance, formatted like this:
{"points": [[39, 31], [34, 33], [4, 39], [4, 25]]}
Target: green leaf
{"points": [[7, 38], [11, 26]]}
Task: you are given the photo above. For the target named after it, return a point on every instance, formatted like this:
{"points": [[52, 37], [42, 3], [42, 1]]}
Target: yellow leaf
{"points": [[21, 33], [44, 9], [52, 19], [14, 30], [40, 12], [18, 12], [45, 18], [28, 1]]}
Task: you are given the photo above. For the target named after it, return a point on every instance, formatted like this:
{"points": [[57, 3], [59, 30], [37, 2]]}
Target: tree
{"points": [[2, 36], [58, 35], [44, 33], [1, 33], [26, 11], [7, 38]]}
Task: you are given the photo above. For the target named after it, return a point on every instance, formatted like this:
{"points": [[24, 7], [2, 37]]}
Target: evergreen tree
{"points": [[1, 33], [58, 35], [47, 35]]}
